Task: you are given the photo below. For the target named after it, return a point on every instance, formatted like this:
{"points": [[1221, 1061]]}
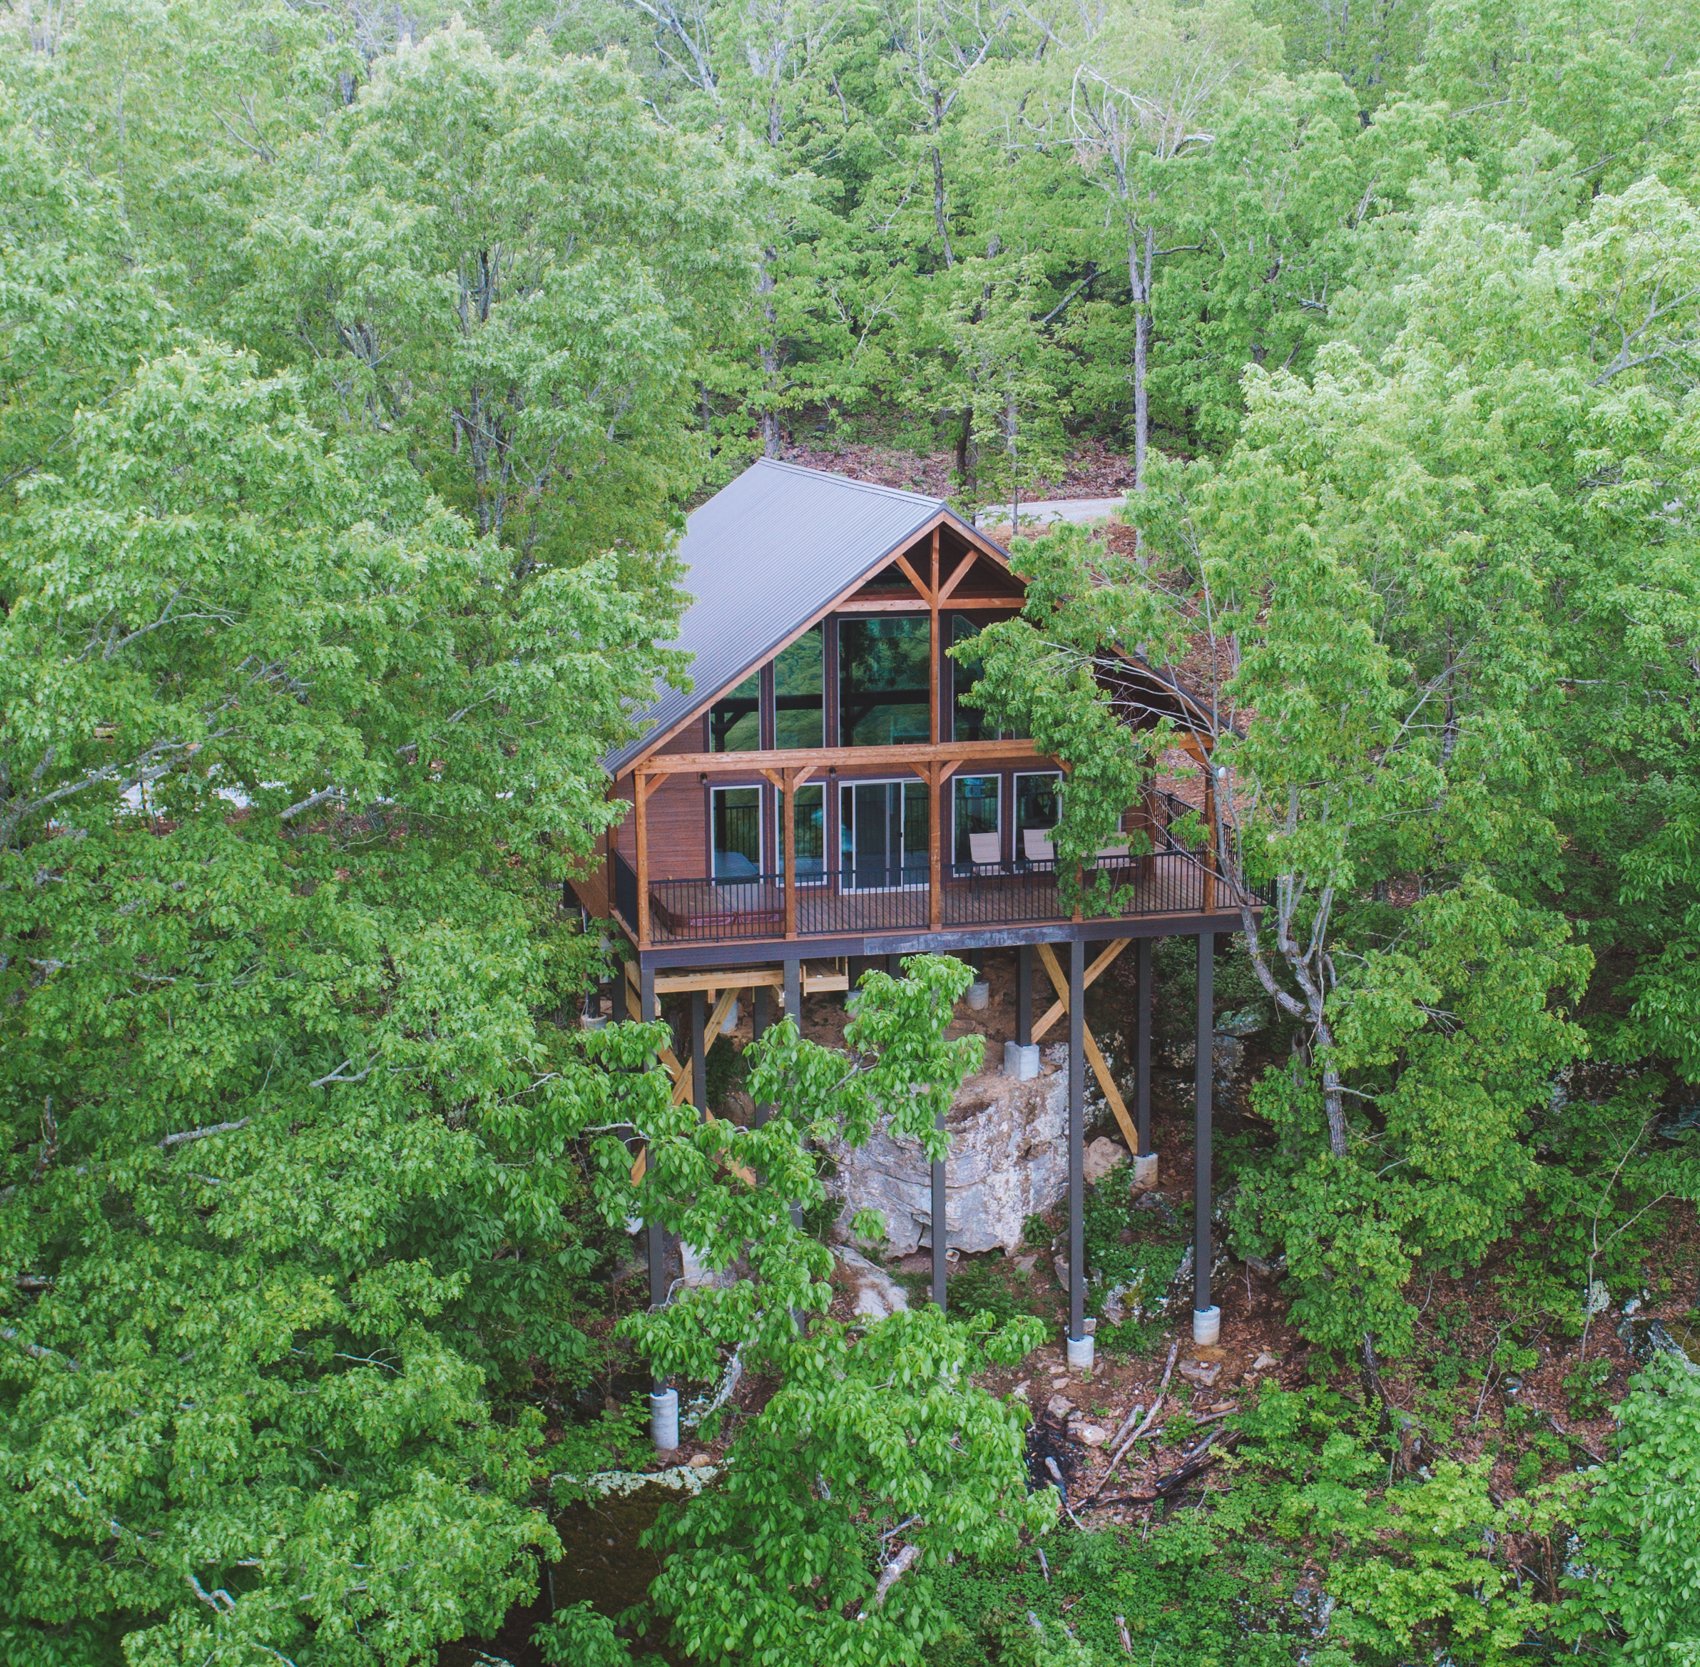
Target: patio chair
{"points": [[984, 851], [1036, 845]]}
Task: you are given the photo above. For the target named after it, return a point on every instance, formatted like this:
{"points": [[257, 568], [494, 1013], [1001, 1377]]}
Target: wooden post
{"points": [[1209, 839], [935, 658], [1142, 1044], [935, 848], [790, 791], [1024, 995], [642, 787]]}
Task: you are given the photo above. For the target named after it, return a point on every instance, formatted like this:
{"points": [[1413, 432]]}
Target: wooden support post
{"points": [[1142, 999], [1209, 839], [935, 849], [1060, 1006], [642, 787], [940, 1227], [790, 792], [1024, 995], [1076, 1138], [1201, 1190]]}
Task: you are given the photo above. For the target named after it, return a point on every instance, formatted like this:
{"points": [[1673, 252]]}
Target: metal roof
{"points": [[765, 554]]}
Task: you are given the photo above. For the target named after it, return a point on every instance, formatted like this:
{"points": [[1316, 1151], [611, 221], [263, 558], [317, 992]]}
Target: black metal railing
{"points": [[1170, 881]]}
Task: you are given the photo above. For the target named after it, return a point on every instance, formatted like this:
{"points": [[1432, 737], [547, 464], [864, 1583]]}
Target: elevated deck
{"points": [[701, 922]]}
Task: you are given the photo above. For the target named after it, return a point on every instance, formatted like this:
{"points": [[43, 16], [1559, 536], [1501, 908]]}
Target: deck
{"points": [[1169, 884]]}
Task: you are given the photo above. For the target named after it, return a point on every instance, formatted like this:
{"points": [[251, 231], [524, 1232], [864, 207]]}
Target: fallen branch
{"points": [[1121, 1451], [893, 1572], [1188, 1470]]}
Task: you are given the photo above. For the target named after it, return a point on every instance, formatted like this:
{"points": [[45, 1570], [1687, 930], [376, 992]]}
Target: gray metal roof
{"points": [[765, 553]]}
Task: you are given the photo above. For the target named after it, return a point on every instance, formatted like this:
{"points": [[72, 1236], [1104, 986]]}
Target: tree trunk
{"points": [[769, 356], [1141, 257]]}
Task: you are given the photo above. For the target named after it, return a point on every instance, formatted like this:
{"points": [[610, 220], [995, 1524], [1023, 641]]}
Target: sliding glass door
{"points": [[882, 834]]}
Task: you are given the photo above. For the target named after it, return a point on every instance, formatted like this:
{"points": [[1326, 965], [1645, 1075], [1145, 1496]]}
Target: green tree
{"points": [[1637, 1574], [512, 264], [289, 1188]]}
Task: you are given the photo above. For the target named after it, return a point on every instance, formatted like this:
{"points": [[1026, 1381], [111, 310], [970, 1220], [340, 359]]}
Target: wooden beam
{"points": [[1209, 898], [961, 573], [1058, 1008], [881, 605], [712, 983], [815, 759], [935, 851], [988, 602], [922, 588], [642, 788], [1101, 1070], [790, 855]]}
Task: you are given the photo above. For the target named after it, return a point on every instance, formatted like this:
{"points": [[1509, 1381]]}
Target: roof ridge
{"points": [[851, 480]]}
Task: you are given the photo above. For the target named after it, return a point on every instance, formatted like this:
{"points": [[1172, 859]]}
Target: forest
{"points": [[359, 363]]}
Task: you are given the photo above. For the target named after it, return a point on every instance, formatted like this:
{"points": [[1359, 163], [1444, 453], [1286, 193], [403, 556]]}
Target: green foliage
{"points": [[287, 1156], [1635, 1575], [534, 343], [1312, 1554], [877, 1457]]}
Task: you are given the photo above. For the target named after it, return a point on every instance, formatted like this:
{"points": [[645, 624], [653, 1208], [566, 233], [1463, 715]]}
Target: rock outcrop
{"points": [[1008, 1161]]}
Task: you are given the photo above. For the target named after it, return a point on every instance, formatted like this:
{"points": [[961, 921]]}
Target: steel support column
{"points": [[655, 1235], [1142, 997], [1079, 1344], [1024, 995], [940, 1228], [1206, 1318], [761, 1015], [794, 1012]]}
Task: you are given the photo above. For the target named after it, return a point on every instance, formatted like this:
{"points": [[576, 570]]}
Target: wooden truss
{"points": [[1094, 1054]]}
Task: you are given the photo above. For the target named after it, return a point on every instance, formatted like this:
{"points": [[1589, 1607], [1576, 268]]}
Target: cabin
{"points": [[824, 789], [823, 794]]}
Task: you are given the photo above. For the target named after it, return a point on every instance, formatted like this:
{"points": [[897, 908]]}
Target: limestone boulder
{"points": [[874, 1294], [1008, 1161], [1100, 1157]]}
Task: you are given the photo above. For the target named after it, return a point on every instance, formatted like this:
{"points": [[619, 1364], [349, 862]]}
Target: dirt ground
{"points": [[1092, 471]]}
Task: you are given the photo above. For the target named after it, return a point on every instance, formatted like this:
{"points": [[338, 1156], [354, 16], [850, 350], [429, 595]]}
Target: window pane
{"points": [[734, 721], [1038, 809], [915, 821], [968, 723], [976, 801], [799, 689], [882, 681], [811, 832], [737, 832]]}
